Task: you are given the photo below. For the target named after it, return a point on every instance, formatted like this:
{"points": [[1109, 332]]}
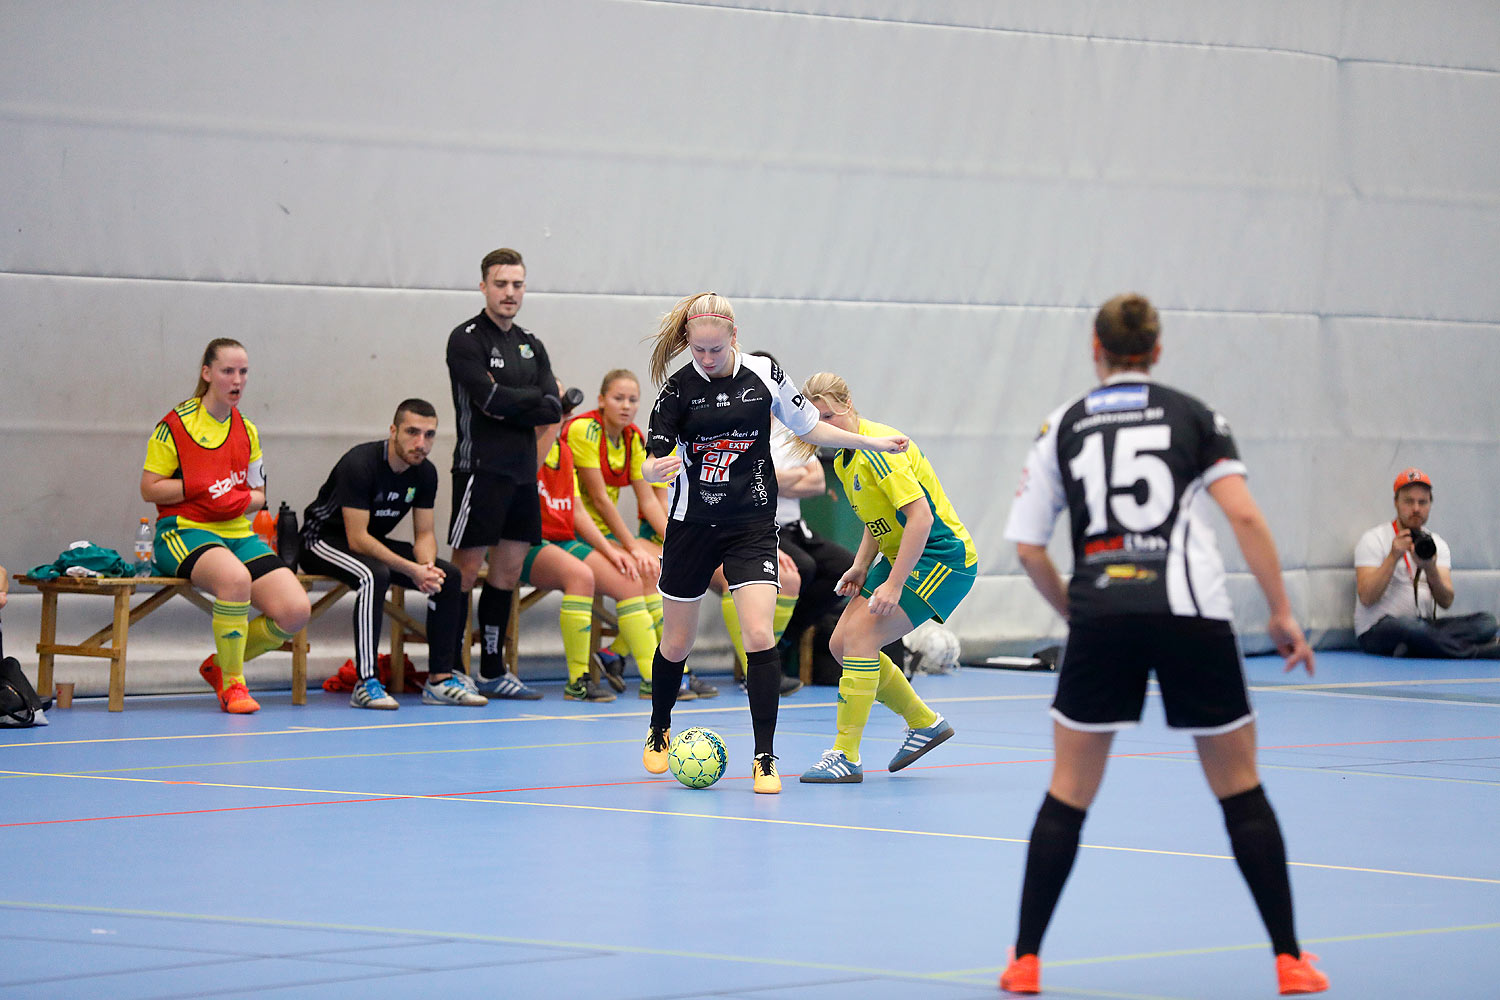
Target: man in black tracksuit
{"points": [[503, 390]]}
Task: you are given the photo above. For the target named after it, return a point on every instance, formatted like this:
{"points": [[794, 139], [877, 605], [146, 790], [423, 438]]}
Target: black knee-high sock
{"points": [[763, 685], [494, 620], [1255, 836], [1049, 859], [666, 675]]}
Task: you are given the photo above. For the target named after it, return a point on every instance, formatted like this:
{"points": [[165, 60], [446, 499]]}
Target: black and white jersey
{"points": [[363, 479], [1131, 462], [722, 428], [503, 388]]}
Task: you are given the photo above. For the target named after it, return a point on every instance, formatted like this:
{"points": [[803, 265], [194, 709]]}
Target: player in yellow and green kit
{"points": [[926, 566]]}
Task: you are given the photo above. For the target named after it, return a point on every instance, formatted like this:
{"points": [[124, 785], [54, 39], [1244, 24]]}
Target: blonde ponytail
{"points": [[671, 335], [833, 391]]}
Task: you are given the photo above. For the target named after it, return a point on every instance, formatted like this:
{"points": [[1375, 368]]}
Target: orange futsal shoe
{"points": [[1022, 975], [209, 671], [654, 756], [1297, 975], [236, 700]]}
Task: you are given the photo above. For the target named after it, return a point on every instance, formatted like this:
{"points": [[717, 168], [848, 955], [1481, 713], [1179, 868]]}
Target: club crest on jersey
{"points": [[527, 352], [856, 482], [411, 493], [1112, 398]]}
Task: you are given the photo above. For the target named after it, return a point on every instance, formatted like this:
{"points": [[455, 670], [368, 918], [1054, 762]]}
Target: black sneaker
{"points": [[790, 685], [584, 689], [611, 668]]}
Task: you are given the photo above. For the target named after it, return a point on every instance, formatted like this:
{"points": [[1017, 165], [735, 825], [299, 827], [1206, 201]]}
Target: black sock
{"points": [[1049, 859], [1255, 836], [494, 620], [763, 685], [463, 632], [666, 675]]}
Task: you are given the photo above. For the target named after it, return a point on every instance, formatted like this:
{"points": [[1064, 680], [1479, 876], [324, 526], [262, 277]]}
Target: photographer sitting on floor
{"points": [[1401, 574]]}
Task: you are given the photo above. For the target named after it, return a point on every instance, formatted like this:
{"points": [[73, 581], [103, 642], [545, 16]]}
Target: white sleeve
{"points": [[1444, 555], [1371, 550], [1040, 497], [255, 476], [789, 405]]}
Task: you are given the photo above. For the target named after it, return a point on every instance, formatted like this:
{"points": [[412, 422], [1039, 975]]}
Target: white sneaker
{"points": [[451, 691]]}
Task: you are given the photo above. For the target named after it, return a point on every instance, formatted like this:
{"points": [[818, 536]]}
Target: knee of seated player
{"points": [[379, 579], [287, 605], [220, 572]]}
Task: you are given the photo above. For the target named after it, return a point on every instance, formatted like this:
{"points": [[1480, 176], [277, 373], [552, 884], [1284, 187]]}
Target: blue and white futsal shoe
{"points": [[507, 685], [834, 769], [370, 693], [451, 691], [919, 741]]}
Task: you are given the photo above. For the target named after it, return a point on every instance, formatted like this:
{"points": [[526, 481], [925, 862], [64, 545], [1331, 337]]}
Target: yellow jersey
{"points": [[878, 485], [161, 458], [584, 437]]}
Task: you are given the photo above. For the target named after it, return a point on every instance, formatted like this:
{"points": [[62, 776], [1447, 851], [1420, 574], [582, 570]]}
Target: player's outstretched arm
{"points": [[825, 434], [1254, 536]]}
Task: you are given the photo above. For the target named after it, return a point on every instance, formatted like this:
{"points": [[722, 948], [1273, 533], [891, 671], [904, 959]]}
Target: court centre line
{"points": [[805, 824]]}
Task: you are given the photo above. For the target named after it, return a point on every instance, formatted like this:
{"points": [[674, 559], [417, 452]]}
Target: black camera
{"points": [[1422, 544]]}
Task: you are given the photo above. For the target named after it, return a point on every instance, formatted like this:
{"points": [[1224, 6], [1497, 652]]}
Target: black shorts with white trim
{"points": [[1101, 684], [488, 509], [692, 551]]}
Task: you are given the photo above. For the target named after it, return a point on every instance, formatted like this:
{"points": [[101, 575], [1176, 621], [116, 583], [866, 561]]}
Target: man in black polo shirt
{"points": [[344, 534], [503, 390]]}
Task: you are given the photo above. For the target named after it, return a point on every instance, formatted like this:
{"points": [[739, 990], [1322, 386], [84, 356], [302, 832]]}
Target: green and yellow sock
{"points": [[263, 636], [895, 693], [576, 619], [857, 689], [785, 605], [230, 623], [637, 632], [653, 605], [732, 625]]}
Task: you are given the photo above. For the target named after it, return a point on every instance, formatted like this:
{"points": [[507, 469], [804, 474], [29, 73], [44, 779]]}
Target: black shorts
{"points": [[489, 509], [1101, 684], [692, 552]]}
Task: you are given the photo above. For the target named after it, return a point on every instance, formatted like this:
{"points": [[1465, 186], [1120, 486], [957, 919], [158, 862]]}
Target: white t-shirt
{"points": [[1398, 600], [788, 509]]}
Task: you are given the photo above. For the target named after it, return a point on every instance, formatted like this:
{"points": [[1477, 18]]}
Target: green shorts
{"points": [[575, 548], [932, 591], [645, 531], [176, 546]]}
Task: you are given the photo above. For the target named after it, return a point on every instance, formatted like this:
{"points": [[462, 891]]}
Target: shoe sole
{"points": [[937, 740], [380, 708], [616, 681], [597, 699], [848, 779]]}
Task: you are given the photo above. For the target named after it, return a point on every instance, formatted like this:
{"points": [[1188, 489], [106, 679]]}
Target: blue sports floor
{"points": [[519, 850]]}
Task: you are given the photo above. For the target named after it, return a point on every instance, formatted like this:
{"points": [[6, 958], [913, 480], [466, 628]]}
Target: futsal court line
{"points": [[609, 949], [571, 717], [348, 797]]}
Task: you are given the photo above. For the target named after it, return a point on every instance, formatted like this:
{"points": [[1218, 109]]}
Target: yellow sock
{"points": [[856, 695], [895, 693], [263, 636], [785, 605], [653, 605], [732, 624], [637, 632], [576, 619], [230, 623]]}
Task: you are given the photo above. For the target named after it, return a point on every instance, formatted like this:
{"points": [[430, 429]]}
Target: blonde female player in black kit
{"points": [[1131, 461], [716, 412]]}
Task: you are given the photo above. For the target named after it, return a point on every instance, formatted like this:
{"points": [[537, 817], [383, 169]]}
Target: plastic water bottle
{"points": [[144, 536], [264, 525], [288, 540]]}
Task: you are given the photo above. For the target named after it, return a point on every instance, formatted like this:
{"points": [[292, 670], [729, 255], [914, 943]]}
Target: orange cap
{"points": [[1411, 477]]}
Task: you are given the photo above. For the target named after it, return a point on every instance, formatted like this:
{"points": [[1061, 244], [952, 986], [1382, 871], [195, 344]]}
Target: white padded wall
{"points": [[929, 197]]}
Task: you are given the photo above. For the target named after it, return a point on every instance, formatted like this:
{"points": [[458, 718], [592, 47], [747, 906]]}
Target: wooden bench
{"points": [[604, 627], [110, 642]]}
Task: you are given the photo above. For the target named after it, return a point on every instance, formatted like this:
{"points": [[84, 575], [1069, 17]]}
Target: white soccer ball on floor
{"points": [[931, 649]]}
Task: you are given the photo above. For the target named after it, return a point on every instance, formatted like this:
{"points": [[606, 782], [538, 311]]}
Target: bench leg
{"points": [[299, 667], [805, 654], [49, 639], [398, 644], [117, 650]]}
